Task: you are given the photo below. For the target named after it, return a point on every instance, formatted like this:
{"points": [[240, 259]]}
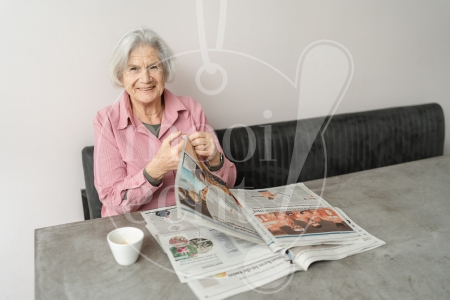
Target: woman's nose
{"points": [[145, 76]]}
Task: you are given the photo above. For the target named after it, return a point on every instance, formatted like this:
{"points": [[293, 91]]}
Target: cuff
{"points": [[151, 180]]}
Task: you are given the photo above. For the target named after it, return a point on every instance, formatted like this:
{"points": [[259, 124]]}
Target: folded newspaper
{"points": [[216, 265], [224, 241]]}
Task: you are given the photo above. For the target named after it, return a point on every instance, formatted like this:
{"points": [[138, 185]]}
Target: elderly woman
{"points": [[137, 139]]}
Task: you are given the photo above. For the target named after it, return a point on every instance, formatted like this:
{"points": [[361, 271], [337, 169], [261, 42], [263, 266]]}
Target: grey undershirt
{"points": [[154, 129]]}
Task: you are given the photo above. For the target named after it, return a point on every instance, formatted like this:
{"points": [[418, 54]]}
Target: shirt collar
{"points": [[125, 112], [172, 107]]}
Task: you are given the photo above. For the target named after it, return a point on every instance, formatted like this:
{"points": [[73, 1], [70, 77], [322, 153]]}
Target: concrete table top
{"points": [[406, 205]]}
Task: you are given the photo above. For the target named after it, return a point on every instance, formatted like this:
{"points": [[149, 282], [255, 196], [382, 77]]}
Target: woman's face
{"points": [[143, 77]]}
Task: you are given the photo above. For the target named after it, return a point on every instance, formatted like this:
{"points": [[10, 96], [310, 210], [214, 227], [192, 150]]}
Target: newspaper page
{"points": [[305, 255], [196, 251], [246, 278], [293, 215], [203, 198], [282, 217]]}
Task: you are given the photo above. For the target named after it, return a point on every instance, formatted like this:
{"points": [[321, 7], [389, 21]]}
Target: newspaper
{"points": [[282, 217], [222, 242], [247, 266]]}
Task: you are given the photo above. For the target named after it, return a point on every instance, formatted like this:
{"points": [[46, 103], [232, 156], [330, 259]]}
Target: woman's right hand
{"points": [[167, 157]]}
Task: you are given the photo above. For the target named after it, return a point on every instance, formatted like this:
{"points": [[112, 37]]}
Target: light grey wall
{"points": [[54, 58]]}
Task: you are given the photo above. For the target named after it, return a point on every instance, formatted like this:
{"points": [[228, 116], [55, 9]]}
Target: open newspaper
{"points": [[281, 217], [216, 265], [222, 242]]}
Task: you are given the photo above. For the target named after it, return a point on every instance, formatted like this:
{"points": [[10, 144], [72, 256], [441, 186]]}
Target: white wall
{"points": [[54, 58]]}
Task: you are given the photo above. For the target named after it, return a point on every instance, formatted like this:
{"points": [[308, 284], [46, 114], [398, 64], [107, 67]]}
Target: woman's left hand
{"points": [[204, 144]]}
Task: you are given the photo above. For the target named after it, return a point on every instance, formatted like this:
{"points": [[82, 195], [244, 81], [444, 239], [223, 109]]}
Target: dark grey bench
{"points": [[297, 151]]}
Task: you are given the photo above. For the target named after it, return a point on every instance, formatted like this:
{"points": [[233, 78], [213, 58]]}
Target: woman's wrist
{"points": [[216, 163], [154, 171]]}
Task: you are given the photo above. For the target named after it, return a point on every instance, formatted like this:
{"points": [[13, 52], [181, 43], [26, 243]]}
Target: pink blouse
{"points": [[124, 146]]}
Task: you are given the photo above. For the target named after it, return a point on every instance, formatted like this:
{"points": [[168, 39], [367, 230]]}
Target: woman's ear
{"points": [[121, 80]]}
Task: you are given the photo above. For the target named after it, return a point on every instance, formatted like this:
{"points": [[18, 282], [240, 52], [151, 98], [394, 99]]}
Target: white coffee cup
{"points": [[125, 244]]}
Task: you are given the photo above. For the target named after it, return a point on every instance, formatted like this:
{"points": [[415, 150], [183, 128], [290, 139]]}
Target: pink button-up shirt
{"points": [[124, 146]]}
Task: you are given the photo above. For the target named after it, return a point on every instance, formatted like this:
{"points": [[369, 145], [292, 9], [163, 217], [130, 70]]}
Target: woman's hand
{"points": [[167, 157], [205, 146]]}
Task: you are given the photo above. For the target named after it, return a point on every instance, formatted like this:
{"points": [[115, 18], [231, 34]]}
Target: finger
{"points": [[195, 135], [198, 138], [202, 153], [199, 142], [172, 137], [203, 150], [179, 146], [201, 147], [176, 149], [207, 152]]}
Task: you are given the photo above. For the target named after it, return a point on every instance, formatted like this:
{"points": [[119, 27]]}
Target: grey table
{"points": [[406, 205]]}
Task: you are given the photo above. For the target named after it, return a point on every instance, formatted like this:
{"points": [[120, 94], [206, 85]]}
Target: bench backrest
{"points": [[333, 146]]}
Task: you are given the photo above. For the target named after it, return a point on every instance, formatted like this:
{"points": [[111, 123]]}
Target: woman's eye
{"points": [[132, 69], [153, 67]]}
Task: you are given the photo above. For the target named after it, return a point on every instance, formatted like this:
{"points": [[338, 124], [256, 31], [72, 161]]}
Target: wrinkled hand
{"points": [[167, 157], [205, 146]]}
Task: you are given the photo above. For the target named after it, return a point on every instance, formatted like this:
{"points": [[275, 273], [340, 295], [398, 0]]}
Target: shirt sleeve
{"points": [[110, 172]]}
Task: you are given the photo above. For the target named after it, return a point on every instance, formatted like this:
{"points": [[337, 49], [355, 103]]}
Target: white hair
{"points": [[133, 39]]}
